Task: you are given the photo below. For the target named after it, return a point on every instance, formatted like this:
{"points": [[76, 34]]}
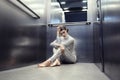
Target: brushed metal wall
{"points": [[22, 38], [97, 48], [22, 45], [84, 41], [110, 28], [111, 37]]}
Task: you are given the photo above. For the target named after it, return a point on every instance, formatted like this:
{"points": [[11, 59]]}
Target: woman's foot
{"points": [[44, 64], [55, 63]]}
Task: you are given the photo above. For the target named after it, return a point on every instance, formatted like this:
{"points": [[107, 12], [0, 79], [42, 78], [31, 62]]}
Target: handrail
{"points": [[70, 24], [28, 8]]}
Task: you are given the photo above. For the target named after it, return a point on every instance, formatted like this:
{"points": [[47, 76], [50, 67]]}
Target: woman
{"points": [[63, 49]]}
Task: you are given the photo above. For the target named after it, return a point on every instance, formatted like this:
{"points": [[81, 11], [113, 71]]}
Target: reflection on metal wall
{"points": [[91, 13], [22, 17], [84, 41], [56, 13], [23, 39], [22, 45]]}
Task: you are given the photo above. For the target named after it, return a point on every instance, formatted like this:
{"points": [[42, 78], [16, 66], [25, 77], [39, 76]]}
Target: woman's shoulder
{"points": [[71, 37]]}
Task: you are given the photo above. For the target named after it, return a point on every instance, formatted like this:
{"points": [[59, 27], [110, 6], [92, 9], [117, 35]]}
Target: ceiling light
{"points": [[66, 11], [54, 3], [65, 8], [84, 7], [63, 2], [84, 1]]}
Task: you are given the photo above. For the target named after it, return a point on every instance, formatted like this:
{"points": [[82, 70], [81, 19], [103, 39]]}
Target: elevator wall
{"points": [[97, 42], [109, 32], [22, 38], [111, 37]]}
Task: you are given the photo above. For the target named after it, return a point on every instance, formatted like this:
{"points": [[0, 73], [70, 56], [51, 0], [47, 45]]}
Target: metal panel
{"points": [[76, 16], [23, 39], [111, 37], [22, 45], [98, 37], [98, 57]]}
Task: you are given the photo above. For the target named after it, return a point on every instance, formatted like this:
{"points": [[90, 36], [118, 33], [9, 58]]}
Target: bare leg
{"points": [[56, 63]]}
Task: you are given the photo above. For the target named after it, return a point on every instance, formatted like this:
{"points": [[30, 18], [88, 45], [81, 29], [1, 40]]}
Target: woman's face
{"points": [[63, 33]]}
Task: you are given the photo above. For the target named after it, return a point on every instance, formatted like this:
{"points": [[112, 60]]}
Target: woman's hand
{"points": [[62, 48], [58, 31]]}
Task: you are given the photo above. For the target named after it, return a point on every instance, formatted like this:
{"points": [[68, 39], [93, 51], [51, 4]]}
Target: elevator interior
{"points": [[25, 36]]}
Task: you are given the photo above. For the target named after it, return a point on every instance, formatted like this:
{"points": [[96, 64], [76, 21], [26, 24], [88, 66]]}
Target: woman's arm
{"points": [[54, 43]]}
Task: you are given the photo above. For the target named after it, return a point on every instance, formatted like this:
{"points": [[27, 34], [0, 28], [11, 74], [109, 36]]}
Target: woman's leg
{"points": [[56, 55], [68, 57], [56, 63]]}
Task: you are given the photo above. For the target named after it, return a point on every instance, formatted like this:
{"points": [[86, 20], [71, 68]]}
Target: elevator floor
{"points": [[78, 71]]}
